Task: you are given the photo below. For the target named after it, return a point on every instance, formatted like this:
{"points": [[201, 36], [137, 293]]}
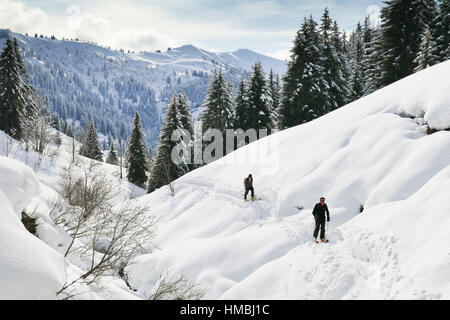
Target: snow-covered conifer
{"points": [[334, 72], [304, 89], [426, 57], [14, 90], [136, 154], [112, 156], [357, 87], [401, 36], [218, 104], [274, 92], [91, 146]]}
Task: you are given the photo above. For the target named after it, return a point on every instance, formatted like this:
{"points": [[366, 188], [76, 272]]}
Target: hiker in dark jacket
{"points": [[248, 184], [320, 209]]}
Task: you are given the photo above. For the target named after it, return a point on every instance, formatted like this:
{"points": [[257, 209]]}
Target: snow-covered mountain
{"points": [[387, 155], [84, 80]]}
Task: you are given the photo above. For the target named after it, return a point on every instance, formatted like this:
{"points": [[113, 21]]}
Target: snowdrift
{"points": [[29, 269], [373, 155]]}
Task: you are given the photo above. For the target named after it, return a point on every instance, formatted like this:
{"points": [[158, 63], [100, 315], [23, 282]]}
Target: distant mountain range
{"points": [[83, 80]]}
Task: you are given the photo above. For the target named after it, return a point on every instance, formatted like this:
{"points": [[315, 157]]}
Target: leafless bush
{"points": [[177, 287], [36, 126], [109, 236], [90, 191]]}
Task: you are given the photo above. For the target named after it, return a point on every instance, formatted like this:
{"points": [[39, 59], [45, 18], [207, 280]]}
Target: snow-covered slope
{"points": [[373, 154], [34, 266], [29, 269]]}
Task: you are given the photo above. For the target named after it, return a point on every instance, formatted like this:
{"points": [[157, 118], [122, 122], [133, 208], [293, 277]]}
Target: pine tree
{"points": [[426, 57], [369, 45], [136, 154], [14, 88], [20, 63], [185, 114], [164, 171], [242, 117], [333, 64], [259, 100], [441, 31], [274, 92], [185, 123], [402, 24], [91, 146], [373, 63], [112, 156], [304, 90], [357, 86], [218, 105]]}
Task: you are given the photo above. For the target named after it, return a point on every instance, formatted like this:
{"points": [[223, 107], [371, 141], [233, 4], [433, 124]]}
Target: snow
{"points": [[34, 267], [29, 269], [373, 153]]}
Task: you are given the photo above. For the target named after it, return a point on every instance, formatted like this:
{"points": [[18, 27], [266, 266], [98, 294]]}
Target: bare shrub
{"points": [[105, 236], [37, 132], [177, 287]]}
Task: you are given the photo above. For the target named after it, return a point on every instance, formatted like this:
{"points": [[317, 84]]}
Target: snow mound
{"points": [[373, 155], [29, 269]]}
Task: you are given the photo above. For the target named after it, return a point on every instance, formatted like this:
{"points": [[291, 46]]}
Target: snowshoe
{"points": [[324, 240], [315, 241]]}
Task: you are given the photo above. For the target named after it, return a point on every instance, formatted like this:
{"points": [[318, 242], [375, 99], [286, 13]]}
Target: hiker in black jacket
{"points": [[248, 185], [319, 216]]}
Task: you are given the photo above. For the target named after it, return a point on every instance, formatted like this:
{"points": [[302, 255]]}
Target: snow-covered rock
{"points": [[374, 154], [29, 269]]}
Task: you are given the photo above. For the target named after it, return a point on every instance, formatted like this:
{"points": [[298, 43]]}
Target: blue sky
{"points": [[266, 26]]}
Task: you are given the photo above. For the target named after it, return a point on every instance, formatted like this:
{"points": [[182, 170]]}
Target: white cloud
{"points": [[374, 14], [15, 16]]}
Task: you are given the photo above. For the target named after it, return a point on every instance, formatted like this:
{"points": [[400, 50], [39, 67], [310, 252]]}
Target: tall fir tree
{"points": [[91, 146], [333, 64], [259, 100], [164, 170], [426, 56], [242, 117], [137, 154], [304, 90], [112, 156], [185, 114], [441, 31], [369, 45], [339, 41], [402, 24], [274, 92], [185, 123], [373, 63], [20, 62], [357, 86], [14, 89], [218, 104]]}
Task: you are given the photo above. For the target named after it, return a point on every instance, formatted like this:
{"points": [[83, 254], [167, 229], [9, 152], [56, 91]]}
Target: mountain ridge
{"points": [[85, 81]]}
